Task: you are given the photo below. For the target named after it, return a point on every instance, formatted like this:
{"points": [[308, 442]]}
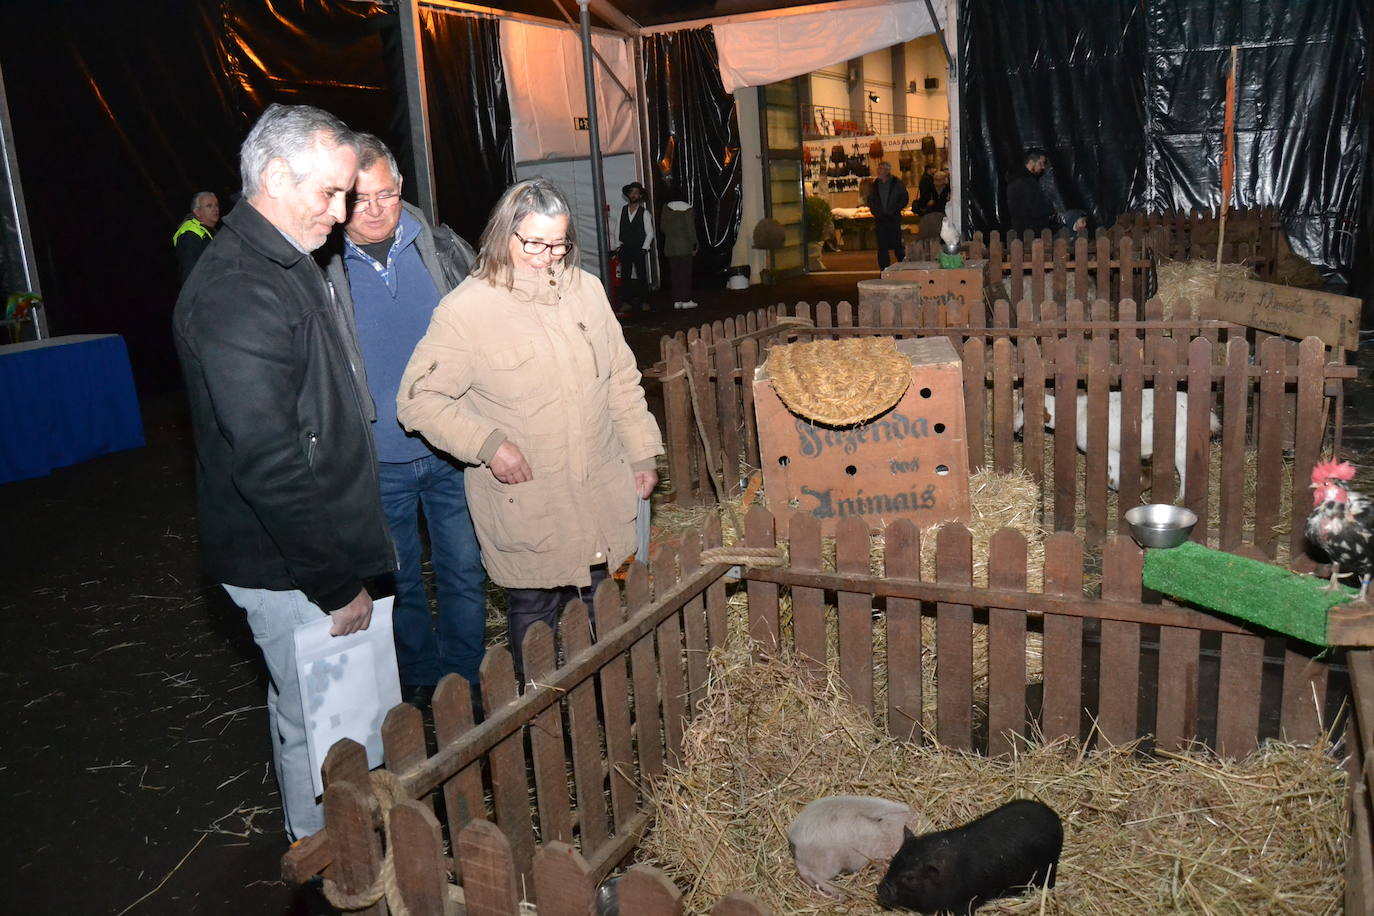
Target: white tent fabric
{"points": [[762, 51], [544, 81]]}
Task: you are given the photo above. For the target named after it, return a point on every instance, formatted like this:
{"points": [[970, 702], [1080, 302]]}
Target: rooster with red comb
{"points": [[1342, 524]]}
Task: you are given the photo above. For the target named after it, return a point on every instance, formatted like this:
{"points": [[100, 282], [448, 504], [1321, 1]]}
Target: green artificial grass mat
{"points": [[1260, 593]]}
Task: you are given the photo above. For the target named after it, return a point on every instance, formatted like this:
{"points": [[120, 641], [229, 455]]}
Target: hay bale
{"points": [[1183, 833], [1192, 282]]}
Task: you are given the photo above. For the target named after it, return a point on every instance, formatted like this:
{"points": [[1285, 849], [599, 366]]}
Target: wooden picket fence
{"points": [[546, 796], [1044, 268], [1254, 236], [1279, 403]]}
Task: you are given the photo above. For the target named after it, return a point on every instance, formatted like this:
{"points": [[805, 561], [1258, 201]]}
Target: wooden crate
{"points": [[910, 462], [950, 296]]}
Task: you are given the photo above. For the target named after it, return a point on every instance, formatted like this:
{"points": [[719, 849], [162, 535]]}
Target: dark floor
{"points": [[136, 752], [135, 741]]}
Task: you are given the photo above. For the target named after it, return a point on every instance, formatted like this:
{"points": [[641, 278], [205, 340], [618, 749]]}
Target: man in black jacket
{"points": [[885, 201], [290, 519], [1028, 208]]}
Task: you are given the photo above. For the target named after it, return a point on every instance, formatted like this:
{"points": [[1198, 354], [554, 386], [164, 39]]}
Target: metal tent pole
{"points": [[418, 110], [14, 202], [598, 180]]}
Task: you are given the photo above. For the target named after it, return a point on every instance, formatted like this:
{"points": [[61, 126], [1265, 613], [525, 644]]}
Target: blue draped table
{"points": [[65, 400]]}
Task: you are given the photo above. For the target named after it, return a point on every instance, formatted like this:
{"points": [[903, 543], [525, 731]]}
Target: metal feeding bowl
{"points": [[1160, 524]]}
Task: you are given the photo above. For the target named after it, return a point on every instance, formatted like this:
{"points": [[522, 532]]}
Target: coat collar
{"points": [[261, 235]]}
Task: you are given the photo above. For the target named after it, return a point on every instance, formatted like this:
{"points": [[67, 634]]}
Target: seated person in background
{"points": [[1075, 226]]}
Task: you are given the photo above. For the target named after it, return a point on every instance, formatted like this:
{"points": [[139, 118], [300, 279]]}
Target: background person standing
{"points": [[195, 232], [389, 271], [631, 236], [886, 200]]}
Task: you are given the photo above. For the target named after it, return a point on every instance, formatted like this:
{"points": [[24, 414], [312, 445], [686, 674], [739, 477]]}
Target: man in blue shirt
{"points": [[390, 274]]}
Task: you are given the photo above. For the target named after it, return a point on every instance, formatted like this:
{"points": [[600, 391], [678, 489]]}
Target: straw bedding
{"points": [[1186, 833], [1190, 282]]}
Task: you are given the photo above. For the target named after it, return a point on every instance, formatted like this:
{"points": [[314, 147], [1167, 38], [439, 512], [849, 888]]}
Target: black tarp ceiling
{"points": [[1127, 97]]}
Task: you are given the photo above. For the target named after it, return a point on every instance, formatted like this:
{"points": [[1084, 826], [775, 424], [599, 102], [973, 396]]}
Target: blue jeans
{"points": [[424, 654]]}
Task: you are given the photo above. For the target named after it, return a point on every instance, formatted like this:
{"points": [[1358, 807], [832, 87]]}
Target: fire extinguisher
{"points": [[615, 279]]}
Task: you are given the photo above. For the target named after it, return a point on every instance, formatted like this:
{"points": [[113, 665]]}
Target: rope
{"points": [[743, 556], [388, 790]]}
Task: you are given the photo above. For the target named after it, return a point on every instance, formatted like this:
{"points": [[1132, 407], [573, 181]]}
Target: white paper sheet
{"points": [[348, 684]]}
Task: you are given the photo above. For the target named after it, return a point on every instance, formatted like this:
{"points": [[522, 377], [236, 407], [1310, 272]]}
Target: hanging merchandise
{"points": [[875, 149], [806, 155], [837, 155]]}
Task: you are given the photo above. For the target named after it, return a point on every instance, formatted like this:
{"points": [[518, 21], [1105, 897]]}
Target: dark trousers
{"points": [[888, 229], [680, 268], [526, 606], [633, 287]]}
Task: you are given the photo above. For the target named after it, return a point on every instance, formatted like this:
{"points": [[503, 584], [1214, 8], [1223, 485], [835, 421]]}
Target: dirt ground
{"points": [[136, 748], [135, 745]]}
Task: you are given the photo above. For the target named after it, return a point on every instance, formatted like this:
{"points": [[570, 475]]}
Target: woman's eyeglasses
{"points": [[532, 246]]}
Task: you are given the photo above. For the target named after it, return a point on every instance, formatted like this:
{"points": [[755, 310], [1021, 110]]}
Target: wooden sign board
{"points": [[1286, 310], [910, 462]]}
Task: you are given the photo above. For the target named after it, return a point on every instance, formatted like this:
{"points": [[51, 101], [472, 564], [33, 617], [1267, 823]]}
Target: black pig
{"points": [[957, 871]]}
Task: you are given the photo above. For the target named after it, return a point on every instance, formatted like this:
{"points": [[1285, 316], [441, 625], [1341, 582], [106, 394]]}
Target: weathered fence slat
{"points": [[694, 622], [1132, 396], [1307, 443], [585, 735], [1006, 644], [644, 675], [1095, 464], [1062, 656], [1235, 397], [954, 640], [1119, 670], [1162, 487], [1176, 709], [489, 871], [418, 857], [855, 612], [1199, 439], [563, 881], [1270, 449], [546, 740], [670, 661], [1065, 423], [902, 559], [808, 604], [763, 596], [1304, 690], [510, 788], [615, 704], [1003, 408], [1238, 702]]}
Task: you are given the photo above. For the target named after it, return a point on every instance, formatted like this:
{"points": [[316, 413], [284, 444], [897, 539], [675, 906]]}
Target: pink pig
{"points": [[843, 833]]}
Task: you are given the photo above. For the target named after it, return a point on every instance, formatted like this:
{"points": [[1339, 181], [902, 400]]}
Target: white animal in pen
{"points": [[1147, 430], [843, 833]]}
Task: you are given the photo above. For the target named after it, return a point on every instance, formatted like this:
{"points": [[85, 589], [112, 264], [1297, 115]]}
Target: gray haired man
{"points": [[290, 519]]}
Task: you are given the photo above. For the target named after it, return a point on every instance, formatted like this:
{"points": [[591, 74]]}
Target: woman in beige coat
{"points": [[524, 374]]}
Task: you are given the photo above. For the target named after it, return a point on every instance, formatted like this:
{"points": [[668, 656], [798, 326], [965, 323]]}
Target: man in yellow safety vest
{"points": [[193, 235]]}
